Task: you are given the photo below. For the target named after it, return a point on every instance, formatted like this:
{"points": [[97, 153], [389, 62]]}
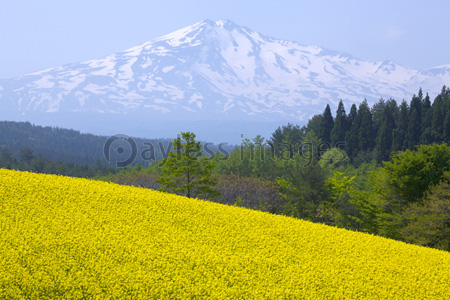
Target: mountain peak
{"points": [[226, 24], [220, 23], [215, 70]]}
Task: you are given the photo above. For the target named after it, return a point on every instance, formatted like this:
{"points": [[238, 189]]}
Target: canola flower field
{"points": [[69, 238]]}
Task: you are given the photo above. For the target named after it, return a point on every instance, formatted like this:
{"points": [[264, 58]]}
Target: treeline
{"points": [[375, 133], [57, 144], [27, 160], [71, 146]]}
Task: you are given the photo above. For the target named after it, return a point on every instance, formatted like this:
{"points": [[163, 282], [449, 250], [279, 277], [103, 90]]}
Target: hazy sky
{"points": [[36, 35]]}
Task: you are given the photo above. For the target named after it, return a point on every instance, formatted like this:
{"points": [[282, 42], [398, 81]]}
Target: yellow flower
{"points": [[71, 238]]}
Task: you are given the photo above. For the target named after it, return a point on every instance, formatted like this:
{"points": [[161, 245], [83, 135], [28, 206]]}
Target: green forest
{"points": [[383, 169]]}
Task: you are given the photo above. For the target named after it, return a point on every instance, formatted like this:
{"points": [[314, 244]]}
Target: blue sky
{"points": [[36, 35]]}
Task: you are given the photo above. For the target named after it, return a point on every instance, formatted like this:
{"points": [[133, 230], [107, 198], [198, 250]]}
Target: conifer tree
{"points": [[446, 132], [326, 125], [401, 129], [415, 121], [289, 134], [378, 111], [351, 137], [314, 124], [365, 132], [340, 126], [187, 171], [427, 118], [446, 126], [438, 119], [385, 132]]}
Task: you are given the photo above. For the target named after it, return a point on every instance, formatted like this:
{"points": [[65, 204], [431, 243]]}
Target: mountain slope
{"points": [[213, 71]]}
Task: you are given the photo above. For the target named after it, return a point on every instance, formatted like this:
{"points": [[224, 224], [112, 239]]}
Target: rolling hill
{"points": [[64, 237]]}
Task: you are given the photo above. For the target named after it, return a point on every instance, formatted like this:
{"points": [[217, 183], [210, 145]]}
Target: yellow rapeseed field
{"points": [[71, 238]]}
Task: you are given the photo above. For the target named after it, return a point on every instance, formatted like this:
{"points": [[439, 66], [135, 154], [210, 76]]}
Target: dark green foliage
{"points": [[287, 136], [428, 222], [352, 115], [384, 142], [386, 125], [427, 118], [340, 126], [27, 160], [54, 143], [7, 159], [400, 133], [415, 121], [365, 127], [351, 137], [378, 112], [446, 127], [377, 132], [437, 122], [67, 145], [326, 125], [315, 124]]}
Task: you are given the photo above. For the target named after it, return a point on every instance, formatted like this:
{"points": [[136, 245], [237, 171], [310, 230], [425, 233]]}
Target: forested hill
{"points": [[54, 143], [376, 133], [66, 145]]}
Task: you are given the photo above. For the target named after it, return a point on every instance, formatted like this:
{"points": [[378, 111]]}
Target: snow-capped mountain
{"points": [[210, 73]]}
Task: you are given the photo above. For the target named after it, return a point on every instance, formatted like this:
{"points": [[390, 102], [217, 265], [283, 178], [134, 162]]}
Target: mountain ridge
{"points": [[213, 71]]}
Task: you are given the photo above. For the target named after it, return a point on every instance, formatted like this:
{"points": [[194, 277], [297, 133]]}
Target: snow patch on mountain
{"points": [[215, 71]]}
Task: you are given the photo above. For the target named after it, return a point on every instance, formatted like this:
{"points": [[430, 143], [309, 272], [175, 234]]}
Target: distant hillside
{"points": [[69, 145]]}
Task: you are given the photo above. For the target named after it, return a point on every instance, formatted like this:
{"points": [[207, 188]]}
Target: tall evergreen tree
{"points": [[351, 137], [340, 126], [420, 94], [427, 118], [446, 105], [385, 131], [352, 115], [378, 111], [314, 124], [437, 121], [365, 133], [326, 125], [446, 127], [415, 121], [401, 129]]}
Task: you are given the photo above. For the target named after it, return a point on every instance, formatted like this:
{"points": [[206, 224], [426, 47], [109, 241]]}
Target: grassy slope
{"points": [[66, 237]]}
